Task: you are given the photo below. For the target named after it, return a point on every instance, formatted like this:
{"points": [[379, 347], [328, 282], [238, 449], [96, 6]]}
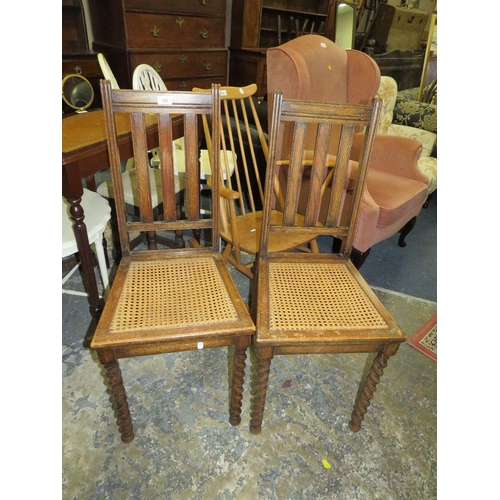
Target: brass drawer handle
{"points": [[179, 21], [155, 31], [183, 85], [183, 58], [207, 65], [157, 67], [204, 33], [204, 2]]}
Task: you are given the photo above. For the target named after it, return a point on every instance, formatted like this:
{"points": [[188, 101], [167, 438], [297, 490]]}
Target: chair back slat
{"points": [[192, 167], [341, 173], [294, 174], [318, 173], [165, 151], [152, 114], [140, 145], [325, 169]]}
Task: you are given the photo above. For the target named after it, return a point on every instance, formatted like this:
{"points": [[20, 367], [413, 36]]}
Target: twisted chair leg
{"points": [[240, 356], [260, 391], [369, 388], [119, 399]]}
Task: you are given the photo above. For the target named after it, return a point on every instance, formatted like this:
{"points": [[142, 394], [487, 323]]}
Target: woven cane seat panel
{"points": [[319, 297], [176, 293]]}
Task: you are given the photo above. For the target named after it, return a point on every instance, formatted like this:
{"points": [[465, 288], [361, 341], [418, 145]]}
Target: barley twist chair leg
{"points": [[369, 388], [119, 399], [240, 355], [260, 391]]}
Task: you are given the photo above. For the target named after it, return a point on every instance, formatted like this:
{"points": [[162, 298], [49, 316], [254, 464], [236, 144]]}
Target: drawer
{"points": [[170, 31], [89, 68], [198, 7], [183, 63], [188, 84]]}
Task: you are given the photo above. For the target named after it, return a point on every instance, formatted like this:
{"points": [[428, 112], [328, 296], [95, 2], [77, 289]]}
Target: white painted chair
{"points": [[106, 71], [145, 77], [97, 214]]}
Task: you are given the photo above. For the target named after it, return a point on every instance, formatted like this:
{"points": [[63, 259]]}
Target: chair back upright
{"points": [[106, 71], [324, 118], [151, 116], [145, 77]]}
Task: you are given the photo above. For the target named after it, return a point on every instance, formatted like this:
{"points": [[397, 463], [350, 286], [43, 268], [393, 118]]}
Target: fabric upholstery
{"points": [[416, 120], [312, 67]]}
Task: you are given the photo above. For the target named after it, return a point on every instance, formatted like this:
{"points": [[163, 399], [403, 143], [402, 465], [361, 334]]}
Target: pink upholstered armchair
{"points": [[312, 67]]}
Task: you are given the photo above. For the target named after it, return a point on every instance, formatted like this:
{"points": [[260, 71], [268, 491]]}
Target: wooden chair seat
{"points": [[171, 313], [325, 297], [249, 226]]}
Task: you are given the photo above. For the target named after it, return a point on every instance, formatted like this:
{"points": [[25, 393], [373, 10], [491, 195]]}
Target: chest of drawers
{"points": [[183, 40]]}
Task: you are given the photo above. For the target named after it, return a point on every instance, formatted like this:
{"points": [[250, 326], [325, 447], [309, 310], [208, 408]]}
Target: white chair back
{"points": [[106, 71], [146, 77]]}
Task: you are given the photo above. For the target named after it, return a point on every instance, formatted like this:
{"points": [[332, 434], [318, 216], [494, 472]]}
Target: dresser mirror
{"points": [[77, 92]]}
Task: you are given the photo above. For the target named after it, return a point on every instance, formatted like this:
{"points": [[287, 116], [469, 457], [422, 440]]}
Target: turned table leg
{"points": [[82, 242]]}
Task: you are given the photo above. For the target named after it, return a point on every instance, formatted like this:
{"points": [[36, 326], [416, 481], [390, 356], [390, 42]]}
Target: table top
{"points": [[88, 131]]}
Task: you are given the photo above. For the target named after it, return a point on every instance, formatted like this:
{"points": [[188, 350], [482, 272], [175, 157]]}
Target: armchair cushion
{"points": [[416, 114]]}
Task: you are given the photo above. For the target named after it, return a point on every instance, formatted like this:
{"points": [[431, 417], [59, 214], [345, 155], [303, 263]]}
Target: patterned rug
{"points": [[425, 338]]}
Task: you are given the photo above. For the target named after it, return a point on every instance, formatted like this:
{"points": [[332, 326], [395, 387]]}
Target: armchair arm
{"points": [[366, 225], [224, 192], [428, 139], [393, 154]]}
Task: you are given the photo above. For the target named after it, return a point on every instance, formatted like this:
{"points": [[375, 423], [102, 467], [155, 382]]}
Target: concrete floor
{"points": [[185, 447]]}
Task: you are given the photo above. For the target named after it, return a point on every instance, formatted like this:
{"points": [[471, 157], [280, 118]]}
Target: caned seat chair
{"points": [[242, 194], [97, 214], [167, 300], [306, 303], [129, 176]]}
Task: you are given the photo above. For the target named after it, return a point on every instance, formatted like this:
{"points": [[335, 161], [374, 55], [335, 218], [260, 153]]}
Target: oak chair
{"points": [[167, 300], [306, 303], [129, 176], [242, 194]]}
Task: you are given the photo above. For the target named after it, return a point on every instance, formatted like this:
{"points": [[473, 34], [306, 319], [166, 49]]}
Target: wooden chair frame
{"points": [[240, 215], [167, 300], [306, 303]]}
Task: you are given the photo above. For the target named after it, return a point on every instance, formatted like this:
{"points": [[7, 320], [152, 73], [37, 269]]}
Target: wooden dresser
{"points": [[184, 40], [76, 56], [257, 25]]}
